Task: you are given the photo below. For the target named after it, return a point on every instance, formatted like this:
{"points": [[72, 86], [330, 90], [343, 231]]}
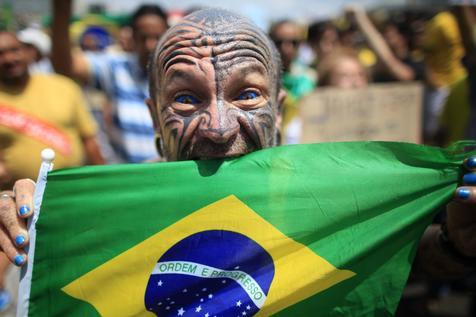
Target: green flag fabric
{"points": [[308, 230]]}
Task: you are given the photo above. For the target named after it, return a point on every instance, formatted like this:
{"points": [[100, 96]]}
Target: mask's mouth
{"points": [[206, 158], [205, 149]]}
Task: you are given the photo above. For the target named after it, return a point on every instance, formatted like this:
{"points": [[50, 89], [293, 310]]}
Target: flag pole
{"points": [[47, 157]]}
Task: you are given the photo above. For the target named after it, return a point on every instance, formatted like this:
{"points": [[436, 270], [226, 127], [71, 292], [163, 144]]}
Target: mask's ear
{"points": [[279, 115], [152, 105]]}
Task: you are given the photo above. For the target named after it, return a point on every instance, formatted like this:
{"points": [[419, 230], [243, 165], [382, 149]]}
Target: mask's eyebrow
{"points": [[175, 59], [252, 68], [177, 74]]}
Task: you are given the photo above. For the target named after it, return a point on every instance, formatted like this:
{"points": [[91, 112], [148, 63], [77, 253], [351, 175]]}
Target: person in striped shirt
{"points": [[121, 75]]}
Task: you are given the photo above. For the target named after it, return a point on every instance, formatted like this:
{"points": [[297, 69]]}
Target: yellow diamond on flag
{"points": [[118, 287]]}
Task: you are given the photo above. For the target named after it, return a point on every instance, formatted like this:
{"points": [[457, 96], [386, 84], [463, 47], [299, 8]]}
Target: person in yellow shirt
{"points": [[459, 115], [455, 114], [39, 111], [443, 51], [36, 112]]}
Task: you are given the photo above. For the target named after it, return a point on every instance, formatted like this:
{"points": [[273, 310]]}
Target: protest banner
{"points": [[381, 112]]}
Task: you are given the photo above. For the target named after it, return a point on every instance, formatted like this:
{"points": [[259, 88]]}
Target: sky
{"points": [[273, 7], [262, 12], [257, 10], [266, 10]]}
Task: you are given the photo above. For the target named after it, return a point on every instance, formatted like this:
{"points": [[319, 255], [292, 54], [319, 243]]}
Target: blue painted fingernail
{"points": [[471, 162], [470, 178], [19, 259], [19, 240], [464, 193], [24, 210]]}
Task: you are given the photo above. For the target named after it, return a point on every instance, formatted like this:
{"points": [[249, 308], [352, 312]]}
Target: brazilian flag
{"points": [[309, 230]]}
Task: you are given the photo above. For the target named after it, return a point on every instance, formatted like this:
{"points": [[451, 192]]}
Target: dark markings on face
{"points": [[228, 43]]}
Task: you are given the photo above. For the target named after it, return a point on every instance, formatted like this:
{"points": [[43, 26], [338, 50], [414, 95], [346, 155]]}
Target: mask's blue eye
{"points": [[248, 95], [187, 99]]}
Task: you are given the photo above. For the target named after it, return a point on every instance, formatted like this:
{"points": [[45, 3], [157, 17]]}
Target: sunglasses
{"points": [[294, 42]]}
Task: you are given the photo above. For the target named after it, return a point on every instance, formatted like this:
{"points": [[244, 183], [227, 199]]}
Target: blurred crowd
{"points": [[78, 85], [358, 49]]}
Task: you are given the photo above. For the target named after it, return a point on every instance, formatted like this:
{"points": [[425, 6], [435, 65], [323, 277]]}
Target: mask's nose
{"points": [[219, 123]]}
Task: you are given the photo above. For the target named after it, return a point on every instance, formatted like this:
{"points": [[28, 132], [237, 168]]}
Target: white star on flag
{"points": [[198, 309], [243, 313], [210, 296], [180, 312], [248, 307], [159, 283], [207, 314], [237, 267], [184, 290], [238, 303]]}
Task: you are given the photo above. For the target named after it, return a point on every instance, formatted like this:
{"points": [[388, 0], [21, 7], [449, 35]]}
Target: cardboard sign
{"points": [[383, 112]]}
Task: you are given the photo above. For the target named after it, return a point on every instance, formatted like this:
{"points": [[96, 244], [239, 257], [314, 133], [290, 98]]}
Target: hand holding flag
{"points": [[450, 249], [461, 220], [16, 208]]}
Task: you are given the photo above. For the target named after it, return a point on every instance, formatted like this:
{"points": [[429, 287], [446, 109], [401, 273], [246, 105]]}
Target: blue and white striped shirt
{"points": [[125, 83]]}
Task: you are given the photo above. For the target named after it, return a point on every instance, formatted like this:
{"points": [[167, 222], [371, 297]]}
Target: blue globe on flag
{"points": [[210, 273]]}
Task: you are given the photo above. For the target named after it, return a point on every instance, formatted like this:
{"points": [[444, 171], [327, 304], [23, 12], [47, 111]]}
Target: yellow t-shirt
{"points": [[456, 111], [49, 112], [443, 50]]}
